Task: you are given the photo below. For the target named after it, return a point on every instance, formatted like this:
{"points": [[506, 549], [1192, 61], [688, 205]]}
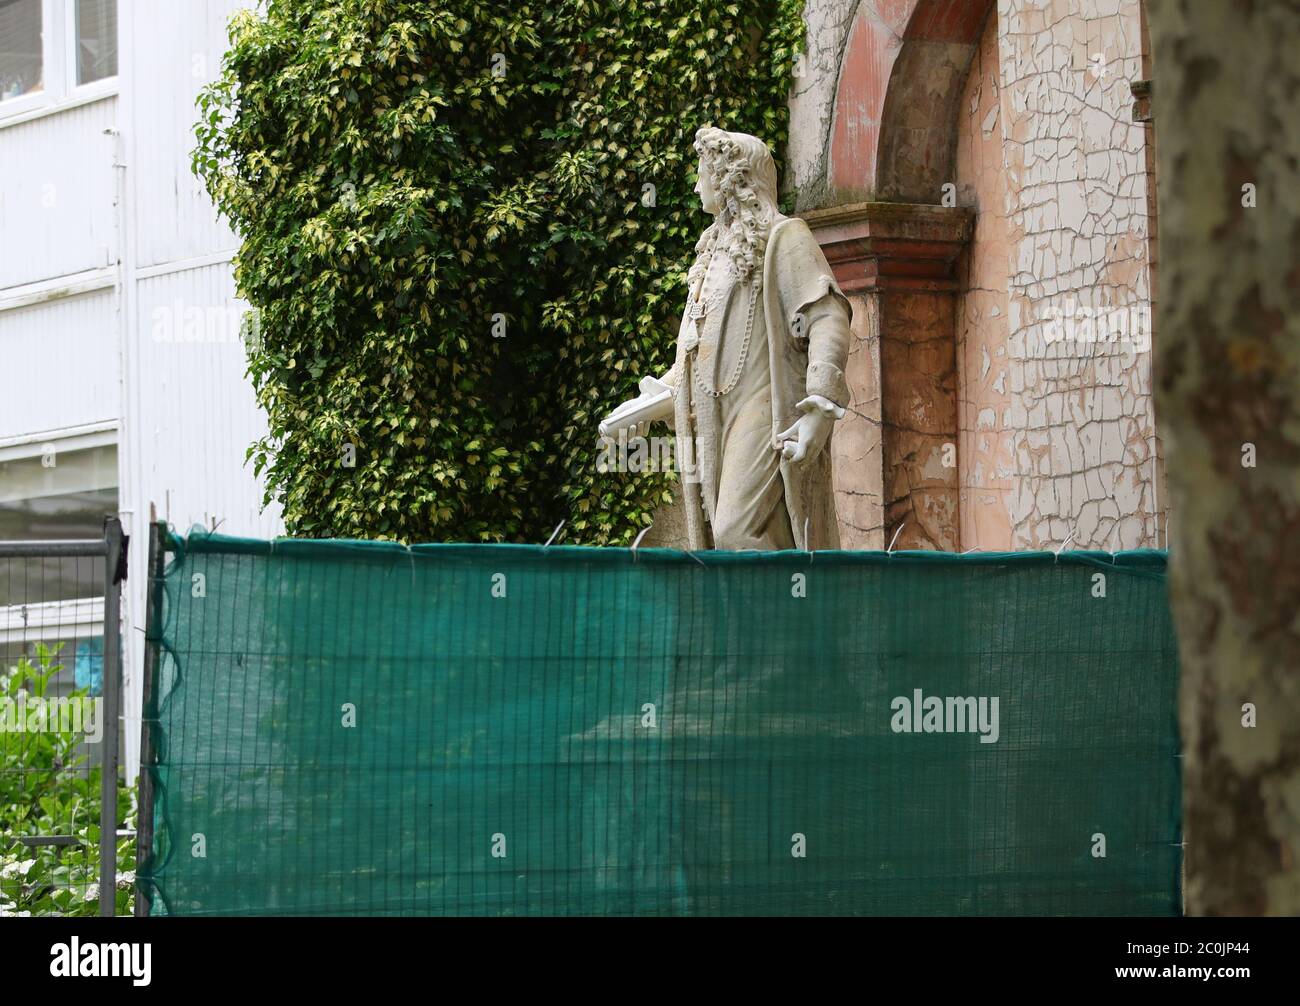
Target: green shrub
{"points": [[406, 177], [47, 789]]}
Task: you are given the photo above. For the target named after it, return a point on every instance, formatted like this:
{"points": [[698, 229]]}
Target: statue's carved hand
{"points": [[611, 425], [810, 432]]}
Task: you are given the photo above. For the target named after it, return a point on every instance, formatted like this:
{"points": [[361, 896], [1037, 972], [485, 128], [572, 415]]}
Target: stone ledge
{"points": [[875, 245]]}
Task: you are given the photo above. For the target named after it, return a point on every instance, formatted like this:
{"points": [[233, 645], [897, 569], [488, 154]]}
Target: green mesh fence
{"points": [[359, 728]]}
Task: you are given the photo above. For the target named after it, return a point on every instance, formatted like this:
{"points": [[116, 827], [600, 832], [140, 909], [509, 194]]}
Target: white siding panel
{"points": [[194, 413], [56, 194], [177, 49], [59, 364]]}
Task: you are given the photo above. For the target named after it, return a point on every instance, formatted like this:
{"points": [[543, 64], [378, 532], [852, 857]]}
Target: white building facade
{"points": [[124, 385]]}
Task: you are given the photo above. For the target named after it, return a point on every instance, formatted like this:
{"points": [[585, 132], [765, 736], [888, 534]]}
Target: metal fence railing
{"points": [[62, 811]]}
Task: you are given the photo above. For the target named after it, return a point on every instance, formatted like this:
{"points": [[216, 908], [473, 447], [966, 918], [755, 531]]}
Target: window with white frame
{"points": [[51, 49]]}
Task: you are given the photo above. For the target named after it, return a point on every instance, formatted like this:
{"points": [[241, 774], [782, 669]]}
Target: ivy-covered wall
{"points": [[465, 227]]}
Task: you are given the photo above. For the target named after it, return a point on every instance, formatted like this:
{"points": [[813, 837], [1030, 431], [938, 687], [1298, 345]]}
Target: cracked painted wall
{"points": [[812, 99], [1078, 362]]}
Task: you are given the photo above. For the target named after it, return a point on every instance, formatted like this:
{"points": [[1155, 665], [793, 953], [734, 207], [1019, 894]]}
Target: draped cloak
{"points": [[799, 345]]}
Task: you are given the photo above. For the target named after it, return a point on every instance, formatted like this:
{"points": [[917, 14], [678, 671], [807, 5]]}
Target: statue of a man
{"points": [[758, 381]]}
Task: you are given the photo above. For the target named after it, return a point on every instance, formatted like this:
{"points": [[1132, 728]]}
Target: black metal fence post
{"points": [[114, 574], [153, 635]]}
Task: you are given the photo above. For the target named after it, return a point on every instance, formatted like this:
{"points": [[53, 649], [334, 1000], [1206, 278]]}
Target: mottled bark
{"points": [[1227, 115]]}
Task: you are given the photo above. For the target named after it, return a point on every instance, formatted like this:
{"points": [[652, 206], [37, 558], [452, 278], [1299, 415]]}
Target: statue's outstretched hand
{"points": [[810, 432], [612, 424]]}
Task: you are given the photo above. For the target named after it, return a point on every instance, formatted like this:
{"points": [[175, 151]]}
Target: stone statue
{"points": [[758, 381]]}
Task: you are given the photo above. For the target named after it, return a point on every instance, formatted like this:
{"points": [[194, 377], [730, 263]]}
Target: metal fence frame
{"points": [[157, 561], [112, 548]]}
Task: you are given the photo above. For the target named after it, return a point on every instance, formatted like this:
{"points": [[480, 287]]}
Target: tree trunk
{"points": [[1227, 120]]}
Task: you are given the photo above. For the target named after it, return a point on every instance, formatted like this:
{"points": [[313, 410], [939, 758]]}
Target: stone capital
{"points": [[881, 245]]}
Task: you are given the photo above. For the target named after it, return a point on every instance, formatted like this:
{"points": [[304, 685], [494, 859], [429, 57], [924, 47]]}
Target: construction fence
{"points": [[336, 727]]}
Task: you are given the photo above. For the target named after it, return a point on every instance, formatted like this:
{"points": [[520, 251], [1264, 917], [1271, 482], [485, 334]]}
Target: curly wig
{"points": [[744, 177]]}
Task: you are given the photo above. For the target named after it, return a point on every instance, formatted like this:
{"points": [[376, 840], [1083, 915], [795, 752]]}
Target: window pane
{"points": [[96, 40], [63, 494], [21, 64]]}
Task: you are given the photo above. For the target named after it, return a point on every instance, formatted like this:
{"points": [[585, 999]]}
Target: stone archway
{"points": [[918, 124], [893, 241]]}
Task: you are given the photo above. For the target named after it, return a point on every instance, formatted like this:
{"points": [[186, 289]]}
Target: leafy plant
{"points": [[465, 228], [47, 788]]}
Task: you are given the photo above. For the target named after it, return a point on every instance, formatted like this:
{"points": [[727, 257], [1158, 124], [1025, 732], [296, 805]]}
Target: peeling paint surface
{"points": [[1078, 393]]}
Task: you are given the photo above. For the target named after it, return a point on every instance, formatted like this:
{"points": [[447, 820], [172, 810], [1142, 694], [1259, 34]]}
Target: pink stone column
{"points": [[896, 460]]}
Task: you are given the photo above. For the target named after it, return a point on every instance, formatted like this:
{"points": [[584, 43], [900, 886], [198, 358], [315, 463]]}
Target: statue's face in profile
{"points": [[704, 188]]}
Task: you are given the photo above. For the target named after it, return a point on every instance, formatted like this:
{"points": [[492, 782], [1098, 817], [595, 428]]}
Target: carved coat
{"points": [[804, 333]]}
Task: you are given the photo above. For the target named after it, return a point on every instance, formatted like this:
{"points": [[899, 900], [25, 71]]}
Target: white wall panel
{"points": [[56, 194], [176, 50], [193, 414], [59, 364]]}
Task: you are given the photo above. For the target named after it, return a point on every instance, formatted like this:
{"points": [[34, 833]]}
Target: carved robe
{"points": [[731, 398]]}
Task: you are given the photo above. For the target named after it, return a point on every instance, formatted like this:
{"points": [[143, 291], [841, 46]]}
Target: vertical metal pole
{"points": [[153, 633], [113, 540]]}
